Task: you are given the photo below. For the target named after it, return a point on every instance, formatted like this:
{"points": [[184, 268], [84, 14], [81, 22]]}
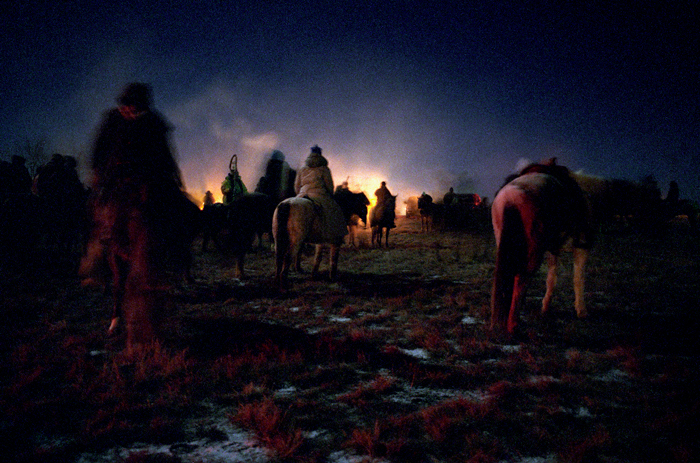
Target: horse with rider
{"points": [[312, 216]]}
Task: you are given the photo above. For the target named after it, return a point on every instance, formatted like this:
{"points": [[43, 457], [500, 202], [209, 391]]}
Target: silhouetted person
{"points": [[342, 188], [48, 177], [233, 185], [673, 193], [277, 182], [208, 198], [133, 170], [382, 193], [449, 197], [20, 180]]}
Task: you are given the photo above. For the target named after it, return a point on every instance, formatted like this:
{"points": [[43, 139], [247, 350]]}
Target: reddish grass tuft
{"points": [[270, 426]]}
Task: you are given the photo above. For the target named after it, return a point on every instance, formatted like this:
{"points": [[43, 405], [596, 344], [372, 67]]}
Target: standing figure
{"points": [[20, 181], [139, 211], [449, 196]]}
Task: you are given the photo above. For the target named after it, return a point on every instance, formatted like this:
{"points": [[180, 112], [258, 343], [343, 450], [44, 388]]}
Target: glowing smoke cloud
{"points": [[366, 147], [383, 134]]}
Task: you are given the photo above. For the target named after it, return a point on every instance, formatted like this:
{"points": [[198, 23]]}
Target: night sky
{"points": [[424, 95]]}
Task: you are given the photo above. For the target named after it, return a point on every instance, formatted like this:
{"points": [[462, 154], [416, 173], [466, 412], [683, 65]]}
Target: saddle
{"points": [[318, 208]]}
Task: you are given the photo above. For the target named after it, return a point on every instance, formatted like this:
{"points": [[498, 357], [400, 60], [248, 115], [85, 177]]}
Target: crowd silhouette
{"points": [[42, 216]]}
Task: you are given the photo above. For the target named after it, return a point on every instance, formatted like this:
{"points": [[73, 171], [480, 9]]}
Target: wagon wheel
{"points": [[233, 163]]}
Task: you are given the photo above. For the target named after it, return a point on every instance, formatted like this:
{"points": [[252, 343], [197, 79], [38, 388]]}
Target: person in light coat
{"points": [[314, 181]]}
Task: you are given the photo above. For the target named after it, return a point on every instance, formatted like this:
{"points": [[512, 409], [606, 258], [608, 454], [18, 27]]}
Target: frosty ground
{"points": [[391, 362]]}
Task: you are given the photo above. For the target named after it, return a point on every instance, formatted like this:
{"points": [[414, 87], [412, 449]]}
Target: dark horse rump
{"points": [[354, 207], [427, 209], [234, 226], [382, 218], [352, 204]]}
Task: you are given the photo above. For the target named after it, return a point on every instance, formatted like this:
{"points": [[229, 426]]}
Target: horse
{"points": [[382, 217], [234, 226], [425, 208], [296, 221], [354, 206], [464, 212], [536, 212]]}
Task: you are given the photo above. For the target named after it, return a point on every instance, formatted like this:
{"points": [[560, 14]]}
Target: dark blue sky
{"points": [[425, 95]]}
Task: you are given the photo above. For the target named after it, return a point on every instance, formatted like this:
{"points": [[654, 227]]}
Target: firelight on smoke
{"points": [[202, 177]]}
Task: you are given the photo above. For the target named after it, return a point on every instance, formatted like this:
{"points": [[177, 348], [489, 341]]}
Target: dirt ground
{"points": [[391, 362]]}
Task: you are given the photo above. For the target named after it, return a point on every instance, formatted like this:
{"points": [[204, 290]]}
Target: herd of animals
{"points": [[533, 215]]}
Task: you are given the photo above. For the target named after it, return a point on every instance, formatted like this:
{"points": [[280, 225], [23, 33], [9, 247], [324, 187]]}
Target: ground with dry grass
{"points": [[392, 362]]}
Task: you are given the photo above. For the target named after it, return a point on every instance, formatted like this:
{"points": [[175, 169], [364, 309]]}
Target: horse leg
{"points": [[551, 281], [519, 289], [580, 256], [282, 263], [386, 239], [240, 263], [318, 255], [335, 252], [351, 235]]}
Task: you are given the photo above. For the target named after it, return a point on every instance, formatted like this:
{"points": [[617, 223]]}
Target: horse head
{"points": [[362, 203]]}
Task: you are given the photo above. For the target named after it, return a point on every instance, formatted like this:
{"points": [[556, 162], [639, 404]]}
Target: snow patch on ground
{"points": [[417, 353], [469, 320], [238, 447]]}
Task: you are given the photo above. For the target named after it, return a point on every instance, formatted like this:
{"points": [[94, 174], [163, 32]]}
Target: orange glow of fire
{"points": [[197, 194], [357, 182]]}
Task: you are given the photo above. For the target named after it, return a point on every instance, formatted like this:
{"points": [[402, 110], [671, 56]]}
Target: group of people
{"points": [[41, 211], [57, 178], [132, 144]]}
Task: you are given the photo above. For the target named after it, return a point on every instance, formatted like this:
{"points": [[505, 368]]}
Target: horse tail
{"points": [[280, 233], [511, 256]]}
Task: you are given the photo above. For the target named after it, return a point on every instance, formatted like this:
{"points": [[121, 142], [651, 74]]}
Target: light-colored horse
{"points": [[537, 212], [297, 221]]}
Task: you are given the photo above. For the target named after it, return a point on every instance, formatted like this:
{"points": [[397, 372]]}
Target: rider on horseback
{"points": [[314, 181], [383, 195]]}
